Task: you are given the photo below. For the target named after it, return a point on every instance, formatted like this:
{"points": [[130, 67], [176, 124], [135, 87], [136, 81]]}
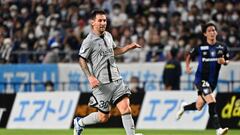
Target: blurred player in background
{"points": [[98, 50], [211, 55], [172, 71]]}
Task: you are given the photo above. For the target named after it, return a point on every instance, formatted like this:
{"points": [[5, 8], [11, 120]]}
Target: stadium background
{"points": [[40, 39]]}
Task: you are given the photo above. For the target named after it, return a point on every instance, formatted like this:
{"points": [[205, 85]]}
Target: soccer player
{"points": [[98, 49], [211, 55]]}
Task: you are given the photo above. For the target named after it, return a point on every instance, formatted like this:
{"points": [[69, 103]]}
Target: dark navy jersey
{"points": [[207, 57]]}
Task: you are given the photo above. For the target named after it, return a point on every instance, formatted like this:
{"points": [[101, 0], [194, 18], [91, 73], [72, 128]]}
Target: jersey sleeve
{"points": [[194, 51], [226, 53], [85, 50], [112, 42]]}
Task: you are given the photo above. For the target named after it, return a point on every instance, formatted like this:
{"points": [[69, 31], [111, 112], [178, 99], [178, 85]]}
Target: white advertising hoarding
{"points": [[159, 111], [151, 73], [43, 110]]}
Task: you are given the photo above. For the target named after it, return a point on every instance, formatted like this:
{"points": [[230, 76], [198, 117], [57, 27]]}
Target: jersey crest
{"points": [[82, 50], [213, 53]]}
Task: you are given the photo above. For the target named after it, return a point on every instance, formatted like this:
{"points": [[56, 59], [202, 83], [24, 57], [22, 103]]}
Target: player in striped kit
{"points": [[211, 55]]}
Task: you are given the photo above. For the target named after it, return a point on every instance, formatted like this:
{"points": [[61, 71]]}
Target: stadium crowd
{"points": [[51, 31]]}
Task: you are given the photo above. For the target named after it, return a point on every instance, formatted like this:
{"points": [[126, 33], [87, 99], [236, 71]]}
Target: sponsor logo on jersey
{"points": [[106, 52], [219, 47], [204, 47], [209, 59], [82, 50]]}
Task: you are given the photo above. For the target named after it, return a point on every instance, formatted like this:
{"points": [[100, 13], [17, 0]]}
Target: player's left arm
{"points": [[225, 58], [226, 55], [122, 50]]}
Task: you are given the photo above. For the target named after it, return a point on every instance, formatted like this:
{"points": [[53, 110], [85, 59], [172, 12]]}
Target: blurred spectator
{"points": [[134, 85], [6, 50], [133, 8], [137, 55], [155, 45], [79, 30], [40, 48], [142, 53], [49, 86], [40, 28], [66, 22], [71, 40], [127, 35], [172, 71], [23, 58], [237, 56], [117, 16], [53, 54]]}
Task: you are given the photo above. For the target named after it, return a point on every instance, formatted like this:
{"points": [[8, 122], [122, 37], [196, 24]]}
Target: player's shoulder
{"points": [[219, 43], [108, 34], [88, 39], [204, 46], [197, 46]]}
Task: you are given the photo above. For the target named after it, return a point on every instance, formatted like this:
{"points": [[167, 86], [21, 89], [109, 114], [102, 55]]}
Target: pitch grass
{"points": [[111, 131]]}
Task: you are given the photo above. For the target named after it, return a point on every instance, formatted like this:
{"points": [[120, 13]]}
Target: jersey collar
{"points": [[95, 36]]}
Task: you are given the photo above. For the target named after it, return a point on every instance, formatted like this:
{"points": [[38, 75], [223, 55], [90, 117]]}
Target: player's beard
{"points": [[99, 30], [102, 29]]}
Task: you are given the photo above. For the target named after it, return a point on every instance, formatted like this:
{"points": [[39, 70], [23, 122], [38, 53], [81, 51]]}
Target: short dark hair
{"points": [[205, 26], [96, 12], [49, 83]]}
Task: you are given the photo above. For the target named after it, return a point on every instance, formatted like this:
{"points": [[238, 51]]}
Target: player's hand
{"points": [[188, 69], [93, 81], [221, 60], [134, 45]]}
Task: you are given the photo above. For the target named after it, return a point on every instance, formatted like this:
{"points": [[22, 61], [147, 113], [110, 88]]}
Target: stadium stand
{"points": [[28, 29]]}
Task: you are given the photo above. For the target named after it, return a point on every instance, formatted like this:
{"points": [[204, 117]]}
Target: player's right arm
{"points": [[91, 78], [193, 52], [126, 48], [188, 61], [84, 53]]}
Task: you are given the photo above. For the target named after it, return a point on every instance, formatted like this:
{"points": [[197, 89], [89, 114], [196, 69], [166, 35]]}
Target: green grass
{"points": [[111, 131]]}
